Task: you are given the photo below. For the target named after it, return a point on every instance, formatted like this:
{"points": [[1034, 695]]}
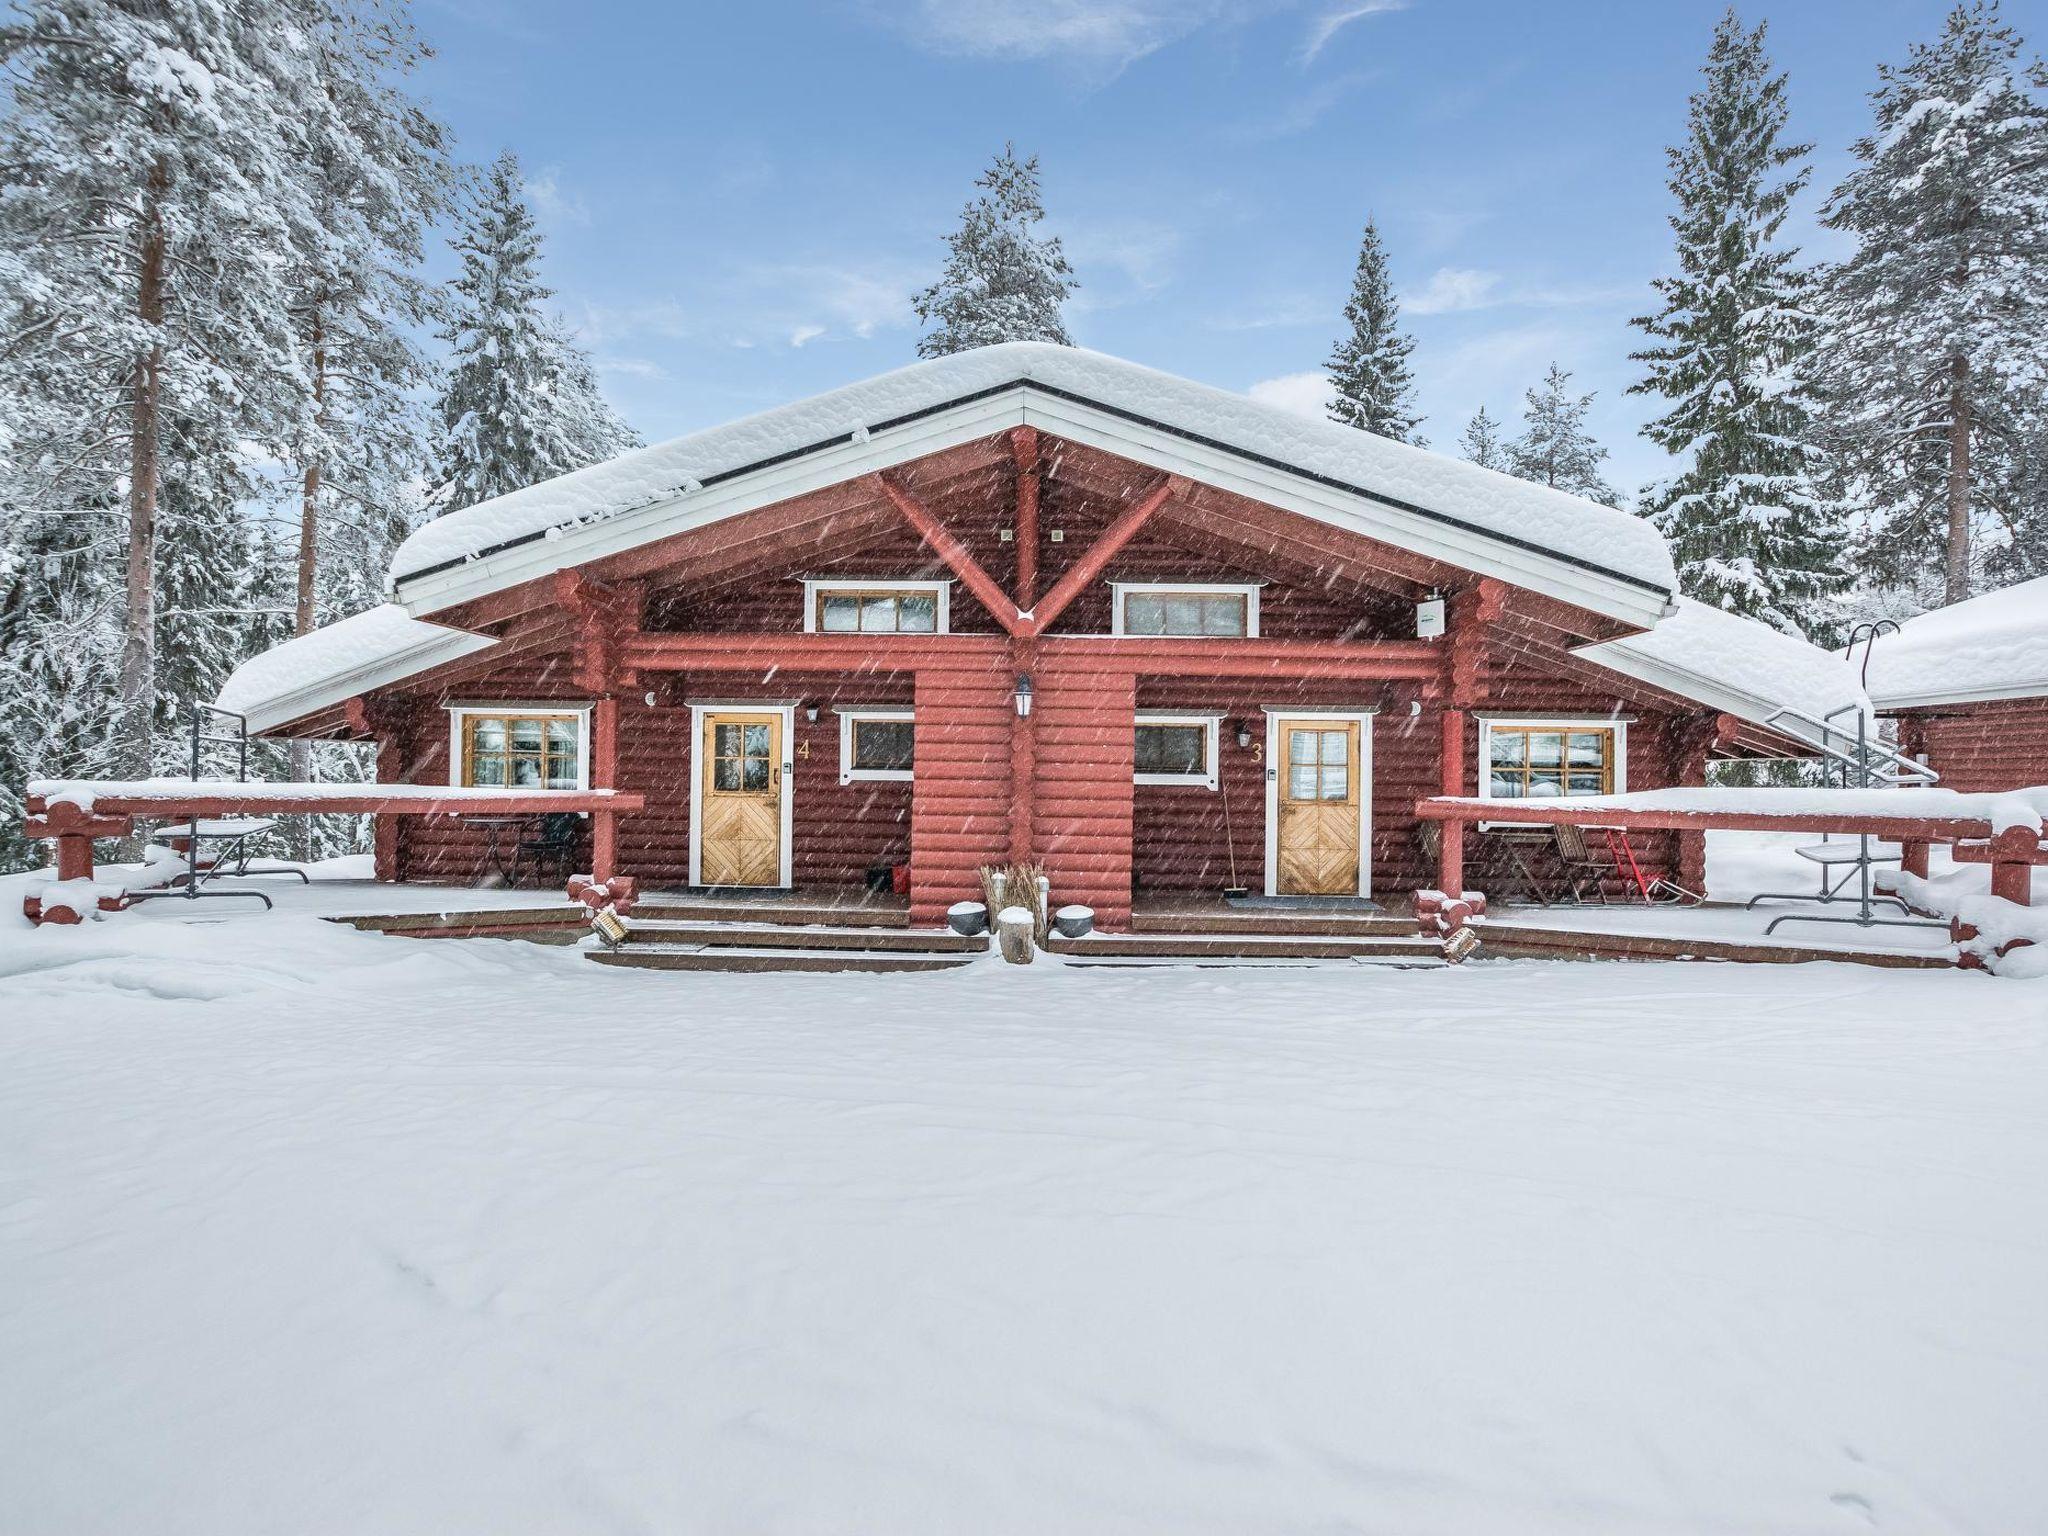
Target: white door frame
{"points": [[734, 707], [1363, 720]]}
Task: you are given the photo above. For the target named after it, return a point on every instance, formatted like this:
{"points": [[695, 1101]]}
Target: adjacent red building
{"points": [[1968, 686], [1034, 603]]}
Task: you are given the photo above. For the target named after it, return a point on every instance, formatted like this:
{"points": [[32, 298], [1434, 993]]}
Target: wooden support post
{"points": [[2014, 852], [1023, 762], [604, 774], [1024, 450], [1450, 867], [1453, 779], [74, 856], [1913, 856], [388, 722]]}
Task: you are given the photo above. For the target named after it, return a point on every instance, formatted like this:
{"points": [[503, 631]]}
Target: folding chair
{"points": [[553, 843], [1581, 867]]}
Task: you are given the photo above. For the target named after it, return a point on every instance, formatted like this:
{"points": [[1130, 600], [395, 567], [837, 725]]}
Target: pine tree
{"points": [[1370, 380], [1003, 281], [377, 172], [521, 402], [1555, 449], [1482, 444], [1748, 526], [1935, 323], [150, 199]]}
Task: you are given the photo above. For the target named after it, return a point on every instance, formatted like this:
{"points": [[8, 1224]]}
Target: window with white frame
{"points": [[854, 607], [1196, 609], [1175, 749], [519, 746], [1552, 759], [876, 744]]}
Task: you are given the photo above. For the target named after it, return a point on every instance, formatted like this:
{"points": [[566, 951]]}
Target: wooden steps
{"points": [[659, 957], [794, 912], [1238, 945], [762, 936], [1273, 923], [539, 925], [1512, 941], [775, 936]]}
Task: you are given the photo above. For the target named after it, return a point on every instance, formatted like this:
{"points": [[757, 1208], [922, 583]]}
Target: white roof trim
{"points": [[1026, 401], [1891, 703], [266, 712]]}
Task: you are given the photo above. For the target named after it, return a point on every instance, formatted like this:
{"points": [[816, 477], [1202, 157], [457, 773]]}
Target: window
{"points": [[1551, 759], [518, 747], [1319, 763], [1175, 749], [876, 744], [1199, 609], [876, 607]]}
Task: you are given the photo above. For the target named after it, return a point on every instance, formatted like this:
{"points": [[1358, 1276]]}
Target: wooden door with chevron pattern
{"points": [[1317, 846], [740, 839]]}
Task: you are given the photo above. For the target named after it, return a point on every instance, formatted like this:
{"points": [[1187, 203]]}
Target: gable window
{"points": [[876, 744], [1205, 609], [1552, 759], [876, 607], [1175, 749], [516, 746]]}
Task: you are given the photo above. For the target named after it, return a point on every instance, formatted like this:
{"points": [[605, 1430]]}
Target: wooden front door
{"points": [[740, 835], [1316, 850]]}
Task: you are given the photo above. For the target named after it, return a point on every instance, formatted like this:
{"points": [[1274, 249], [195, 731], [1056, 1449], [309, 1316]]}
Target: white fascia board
{"points": [[1167, 451], [1891, 703], [563, 548], [1468, 549], [396, 668], [1702, 690]]}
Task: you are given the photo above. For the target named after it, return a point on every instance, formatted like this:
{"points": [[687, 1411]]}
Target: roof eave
{"points": [[1626, 598], [312, 699]]}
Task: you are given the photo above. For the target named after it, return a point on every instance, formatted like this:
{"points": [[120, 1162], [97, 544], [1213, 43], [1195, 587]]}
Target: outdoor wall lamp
{"points": [[1023, 695], [1244, 733], [811, 713]]}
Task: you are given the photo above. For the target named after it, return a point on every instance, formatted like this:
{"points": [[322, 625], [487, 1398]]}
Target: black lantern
{"points": [[1023, 695]]}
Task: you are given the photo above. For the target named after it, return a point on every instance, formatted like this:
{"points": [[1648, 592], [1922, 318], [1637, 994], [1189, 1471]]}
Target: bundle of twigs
{"points": [[1015, 885]]}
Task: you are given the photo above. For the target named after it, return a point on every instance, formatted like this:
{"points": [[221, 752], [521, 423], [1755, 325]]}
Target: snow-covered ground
{"points": [[312, 1230]]}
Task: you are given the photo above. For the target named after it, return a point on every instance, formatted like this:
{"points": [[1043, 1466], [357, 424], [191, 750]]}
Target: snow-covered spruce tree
{"points": [[1555, 449], [147, 156], [1482, 443], [1370, 381], [1749, 526], [377, 171], [1003, 280], [521, 403], [1935, 325]]}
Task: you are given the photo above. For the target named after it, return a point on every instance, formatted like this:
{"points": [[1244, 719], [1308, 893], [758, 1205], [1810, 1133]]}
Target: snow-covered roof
{"points": [[1990, 647], [1592, 555], [317, 671], [1739, 665]]}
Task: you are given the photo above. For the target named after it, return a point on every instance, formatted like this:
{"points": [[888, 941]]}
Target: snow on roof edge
{"points": [[1988, 647], [313, 672], [1739, 665], [1565, 527]]}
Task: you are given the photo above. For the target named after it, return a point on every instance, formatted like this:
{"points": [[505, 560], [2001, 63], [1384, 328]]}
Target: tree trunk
{"points": [[305, 608], [1957, 583], [138, 639]]}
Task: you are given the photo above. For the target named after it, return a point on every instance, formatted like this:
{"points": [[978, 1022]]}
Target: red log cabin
{"points": [[1033, 603], [1968, 688]]}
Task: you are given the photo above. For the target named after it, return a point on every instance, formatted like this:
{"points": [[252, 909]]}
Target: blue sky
{"points": [[740, 198]]}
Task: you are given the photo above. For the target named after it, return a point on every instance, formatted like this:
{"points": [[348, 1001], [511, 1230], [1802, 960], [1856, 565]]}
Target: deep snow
{"points": [[310, 1230]]}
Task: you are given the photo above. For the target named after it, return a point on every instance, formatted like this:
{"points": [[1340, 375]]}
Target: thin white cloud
{"points": [[631, 367], [1451, 289], [1302, 113], [553, 202], [1331, 22], [1095, 34], [804, 333], [1305, 394]]}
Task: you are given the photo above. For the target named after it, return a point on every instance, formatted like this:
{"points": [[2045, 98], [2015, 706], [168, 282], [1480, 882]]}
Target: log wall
{"points": [[1976, 748]]}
